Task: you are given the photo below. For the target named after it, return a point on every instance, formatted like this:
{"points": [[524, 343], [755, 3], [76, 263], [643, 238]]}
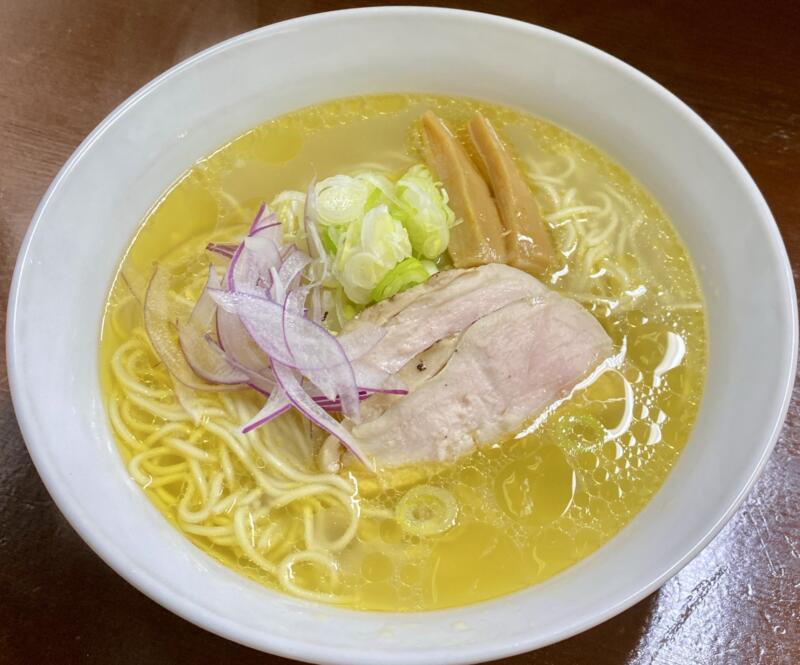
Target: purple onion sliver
{"points": [[238, 344], [302, 402], [257, 218], [292, 268], [160, 317], [254, 379], [263, 421], [276, 404], [258, 389], [204, 362], [263, 320], [223, 249], [259, 229], [231, 281]]}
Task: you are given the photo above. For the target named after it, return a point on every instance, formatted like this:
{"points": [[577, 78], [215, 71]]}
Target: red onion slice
{"points": [[276, 405], [257, 219], [301, 400], [191, 335], [267, 231], [230, 276], [274, 225], [268, 340], [249, 271], [259, 378], [263, 319], [160, 317], [292, 268], [277, 292], [237, 343], [306, 346], [222, 249], [298, 343]]}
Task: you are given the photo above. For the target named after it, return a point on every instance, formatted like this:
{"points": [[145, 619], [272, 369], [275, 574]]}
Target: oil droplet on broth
{"points": [[391, 533], [538, 488], [311, 576], [377, 567]]}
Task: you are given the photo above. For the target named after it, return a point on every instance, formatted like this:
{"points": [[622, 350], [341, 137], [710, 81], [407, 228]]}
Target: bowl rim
{"points": [[119, 561]]}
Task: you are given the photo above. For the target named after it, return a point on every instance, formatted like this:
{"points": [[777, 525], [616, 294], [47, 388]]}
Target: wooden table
{"points": [[65, 65]]}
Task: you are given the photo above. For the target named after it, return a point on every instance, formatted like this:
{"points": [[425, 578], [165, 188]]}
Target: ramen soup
{"points": [[403, 352]]}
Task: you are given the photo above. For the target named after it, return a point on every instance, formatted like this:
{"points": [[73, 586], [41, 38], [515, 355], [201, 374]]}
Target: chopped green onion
{"points": [[288, 206], [371, 248], [341, 199], [430, 267], [369, 226], [383, 189], [429, 218], [409, 272]]}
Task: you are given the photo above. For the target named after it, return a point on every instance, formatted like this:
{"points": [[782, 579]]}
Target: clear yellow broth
{"points": [[528, 507]]}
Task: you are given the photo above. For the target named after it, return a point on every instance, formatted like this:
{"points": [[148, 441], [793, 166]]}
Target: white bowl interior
{"points": [[117, 174]]}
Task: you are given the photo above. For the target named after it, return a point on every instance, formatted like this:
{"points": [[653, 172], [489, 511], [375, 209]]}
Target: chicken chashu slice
{"points": [[478, 239], [527, 240], [520, 347], [446, 304]]}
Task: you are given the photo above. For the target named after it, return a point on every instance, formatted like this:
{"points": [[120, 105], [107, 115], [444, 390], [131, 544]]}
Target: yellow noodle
{"points": [[245, 538], [285, 576]]}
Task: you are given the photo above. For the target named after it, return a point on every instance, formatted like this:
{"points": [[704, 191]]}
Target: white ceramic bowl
{"points": [[93, 207]]}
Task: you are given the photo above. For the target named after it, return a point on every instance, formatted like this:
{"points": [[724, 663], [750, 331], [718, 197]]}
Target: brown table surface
{"points": [[65, 65]]}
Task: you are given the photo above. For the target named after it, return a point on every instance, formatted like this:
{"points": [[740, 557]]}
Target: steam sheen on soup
{"points": [[442, 495]]}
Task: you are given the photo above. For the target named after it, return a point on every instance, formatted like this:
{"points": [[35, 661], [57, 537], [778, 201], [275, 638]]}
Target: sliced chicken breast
{"points": [[506, 369], [482, 352], [446, 304]]}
